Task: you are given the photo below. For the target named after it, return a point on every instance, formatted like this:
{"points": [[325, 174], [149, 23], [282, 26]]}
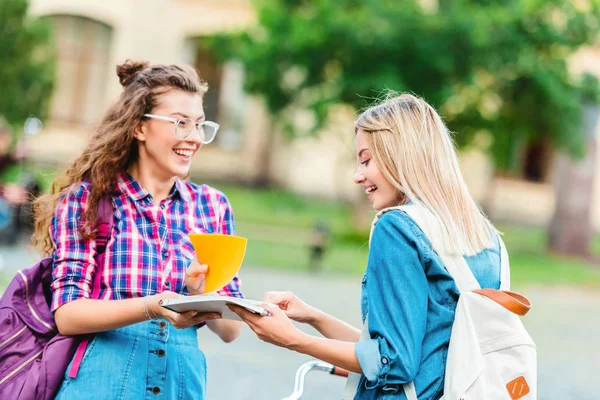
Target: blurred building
{"points": [[92, 37]]}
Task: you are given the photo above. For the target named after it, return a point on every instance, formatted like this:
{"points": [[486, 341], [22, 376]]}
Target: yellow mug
{"points": [[222, 253]]}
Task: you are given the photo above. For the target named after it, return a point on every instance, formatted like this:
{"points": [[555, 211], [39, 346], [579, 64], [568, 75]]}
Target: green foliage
{"points": [[590, 89], [492, 68], [26, 63]]}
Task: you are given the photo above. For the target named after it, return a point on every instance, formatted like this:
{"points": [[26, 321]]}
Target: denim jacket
{"points": [[410, 299]]}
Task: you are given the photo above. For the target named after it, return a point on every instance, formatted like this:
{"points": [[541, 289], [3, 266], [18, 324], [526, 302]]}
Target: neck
{"points": [[157, 187]]}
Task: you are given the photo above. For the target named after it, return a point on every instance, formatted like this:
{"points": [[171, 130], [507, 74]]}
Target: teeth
{"points": [[370, 189], [182, 152]]}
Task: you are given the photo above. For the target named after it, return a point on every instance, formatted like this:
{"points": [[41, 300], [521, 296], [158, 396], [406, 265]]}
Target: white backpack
{"points": [[491, 355]]}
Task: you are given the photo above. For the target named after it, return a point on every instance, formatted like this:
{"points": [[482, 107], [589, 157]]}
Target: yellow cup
{"points": [[222, 253]]}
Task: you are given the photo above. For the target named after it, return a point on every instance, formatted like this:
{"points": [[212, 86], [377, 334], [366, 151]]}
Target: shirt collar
{"points": [[129, 186], [179, 190]]}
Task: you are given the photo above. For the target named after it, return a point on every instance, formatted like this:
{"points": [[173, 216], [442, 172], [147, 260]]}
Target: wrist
{"points": [[301, 342], [314, 317], [154, 310]]}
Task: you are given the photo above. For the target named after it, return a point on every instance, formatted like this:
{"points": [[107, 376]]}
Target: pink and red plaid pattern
{"points": [[148, 251]]}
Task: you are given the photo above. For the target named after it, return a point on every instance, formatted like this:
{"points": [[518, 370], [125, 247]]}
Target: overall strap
{"points": [[105, 224]]}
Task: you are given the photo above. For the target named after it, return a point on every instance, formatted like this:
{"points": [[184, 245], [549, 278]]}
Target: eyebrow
{"points": [[203, 116]]}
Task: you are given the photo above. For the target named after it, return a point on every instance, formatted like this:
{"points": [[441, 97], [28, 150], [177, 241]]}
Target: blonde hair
{"points": [[413, 148]]}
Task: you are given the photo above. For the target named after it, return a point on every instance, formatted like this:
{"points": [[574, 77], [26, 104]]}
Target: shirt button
{"points": [[384, 360], [162, 324], [160, 353], [161, 333], [156, 390], [167, 283], [165, 254]]}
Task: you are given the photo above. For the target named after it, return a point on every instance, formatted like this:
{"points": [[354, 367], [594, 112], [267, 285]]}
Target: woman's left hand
{"points": [[276, 328]]}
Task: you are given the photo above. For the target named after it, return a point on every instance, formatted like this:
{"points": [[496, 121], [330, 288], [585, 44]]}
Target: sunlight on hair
{"points": [[415, 152]]}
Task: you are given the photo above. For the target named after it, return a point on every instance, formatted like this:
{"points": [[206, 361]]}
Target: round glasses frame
{"points": [[184, 127]]}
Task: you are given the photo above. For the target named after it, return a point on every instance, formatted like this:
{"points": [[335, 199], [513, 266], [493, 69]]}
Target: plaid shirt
{"points": [[148, 250]]}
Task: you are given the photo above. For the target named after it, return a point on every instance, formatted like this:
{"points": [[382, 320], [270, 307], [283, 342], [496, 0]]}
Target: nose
{"points": [[196, 135], [359, 178]]}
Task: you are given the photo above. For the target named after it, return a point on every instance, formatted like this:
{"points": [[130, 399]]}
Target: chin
{"points": [[378, 206], [181, 173]]}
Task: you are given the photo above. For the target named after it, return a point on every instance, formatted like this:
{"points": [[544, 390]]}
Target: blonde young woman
{"points": [[137, 156], [405, 154]]}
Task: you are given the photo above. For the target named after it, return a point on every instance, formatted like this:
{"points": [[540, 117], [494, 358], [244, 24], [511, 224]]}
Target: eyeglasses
{"points": [[184, 127]]}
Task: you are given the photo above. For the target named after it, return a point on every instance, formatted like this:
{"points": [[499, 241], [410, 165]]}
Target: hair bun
{"points": [[129, 70]]}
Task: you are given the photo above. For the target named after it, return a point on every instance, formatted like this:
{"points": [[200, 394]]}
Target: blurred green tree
{"points": [[26, 63], [497, 71]]}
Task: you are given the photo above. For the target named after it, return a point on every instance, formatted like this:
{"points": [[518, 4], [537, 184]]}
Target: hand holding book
{"points": [[208, 304], [152, 309]]}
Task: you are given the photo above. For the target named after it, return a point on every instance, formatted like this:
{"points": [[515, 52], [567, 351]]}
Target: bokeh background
{"points": [[514, 80]]}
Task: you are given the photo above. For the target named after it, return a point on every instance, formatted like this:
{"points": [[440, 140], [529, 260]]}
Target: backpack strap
{"points": [[512, 301], [105, 224], [454, 263], [353, 378]]}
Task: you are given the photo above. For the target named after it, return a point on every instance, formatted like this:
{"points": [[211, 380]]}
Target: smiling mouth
{"points": [[371, 189], [183, 153]]}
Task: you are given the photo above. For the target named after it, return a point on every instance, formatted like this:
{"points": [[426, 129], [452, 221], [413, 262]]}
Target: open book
{"points": [[213, 303]]}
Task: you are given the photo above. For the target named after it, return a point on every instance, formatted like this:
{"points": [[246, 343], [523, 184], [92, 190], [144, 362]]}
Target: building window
{"points": [[211, 72], [225, 100], [82, 48]]}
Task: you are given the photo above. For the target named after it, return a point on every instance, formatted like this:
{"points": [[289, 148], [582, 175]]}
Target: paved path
{"points": [[564, 322]]}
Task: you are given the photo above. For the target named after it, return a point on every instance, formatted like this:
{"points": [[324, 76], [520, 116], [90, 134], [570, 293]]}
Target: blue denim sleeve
{"points": [[397, 303]]}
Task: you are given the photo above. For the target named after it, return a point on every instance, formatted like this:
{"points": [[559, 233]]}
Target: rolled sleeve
{"points": [[369, 358], [74, 263], [397, 304]]}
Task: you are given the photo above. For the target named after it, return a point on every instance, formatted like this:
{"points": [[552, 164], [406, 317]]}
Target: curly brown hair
{"points": [[112, 148]]}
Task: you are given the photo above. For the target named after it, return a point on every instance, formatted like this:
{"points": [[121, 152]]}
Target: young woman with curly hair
{"points": [[138, 156]]}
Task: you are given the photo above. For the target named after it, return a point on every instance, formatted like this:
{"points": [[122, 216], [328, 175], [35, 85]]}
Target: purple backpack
{"points": [[33, 355]]}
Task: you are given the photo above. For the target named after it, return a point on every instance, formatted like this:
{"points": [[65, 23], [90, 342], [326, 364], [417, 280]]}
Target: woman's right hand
{"points": [[292, 306], [179, 321]]}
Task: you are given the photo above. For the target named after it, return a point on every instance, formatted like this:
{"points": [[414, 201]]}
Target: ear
{"points": [[139, 132]]}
